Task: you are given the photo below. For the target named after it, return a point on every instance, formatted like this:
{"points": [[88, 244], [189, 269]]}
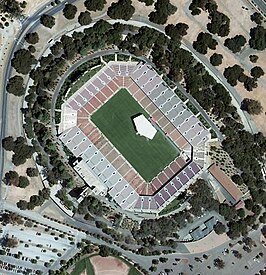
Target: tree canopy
{"points": [[122, 9], [32, 38], [257, 72], [47, 21], [216, 59], [163, 8], [22, 61], [203, 42], [232, 74], [147, 2], [8, 143], [23, 182], [257, 18], [70, 11], [84, 18], [235, 43], [176, 31], [252, 106], [12, 7], [220, 24], [257, 39], [94, 5], [15, 86]]}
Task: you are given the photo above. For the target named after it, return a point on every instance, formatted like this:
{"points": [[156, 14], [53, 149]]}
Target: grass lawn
{"points": [[81, 265], [133, 271], [171, 206], [114, 119]]}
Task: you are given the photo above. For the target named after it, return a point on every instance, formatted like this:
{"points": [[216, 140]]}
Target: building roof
{"points": [[226, 182], [144, 127]]}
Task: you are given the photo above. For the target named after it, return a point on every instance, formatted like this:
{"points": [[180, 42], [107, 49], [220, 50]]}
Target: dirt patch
{"points": [[15, 194], [108, 266], [209, 242]]}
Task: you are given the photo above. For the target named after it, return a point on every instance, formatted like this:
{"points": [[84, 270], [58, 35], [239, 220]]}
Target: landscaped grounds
{"points": [[114, 119]]}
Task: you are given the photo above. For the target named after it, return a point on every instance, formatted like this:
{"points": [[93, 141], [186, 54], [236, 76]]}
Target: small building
{"points": [[144, 127], [203, 230], [227, 187]]}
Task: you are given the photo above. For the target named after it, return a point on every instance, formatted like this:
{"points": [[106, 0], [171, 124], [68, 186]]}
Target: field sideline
{"points": [[114, 119]]}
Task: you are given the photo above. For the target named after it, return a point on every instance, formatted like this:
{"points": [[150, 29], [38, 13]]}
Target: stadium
{"points": [[134, 139]]}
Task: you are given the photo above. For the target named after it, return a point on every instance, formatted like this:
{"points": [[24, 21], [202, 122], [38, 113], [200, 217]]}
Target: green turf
{"points": [[171, 206], [89, 267], [81, 265], [133, 271], [114, 119]]}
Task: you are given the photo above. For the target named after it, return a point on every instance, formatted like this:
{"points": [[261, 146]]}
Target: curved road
{"points": [[27, 25]]}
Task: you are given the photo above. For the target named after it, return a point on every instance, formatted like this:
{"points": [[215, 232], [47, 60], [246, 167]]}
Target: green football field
{"points": [[114, 119]]}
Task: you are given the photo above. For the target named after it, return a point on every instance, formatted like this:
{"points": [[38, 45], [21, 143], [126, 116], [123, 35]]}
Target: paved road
{"points": [[260, 5], [28, 24]]}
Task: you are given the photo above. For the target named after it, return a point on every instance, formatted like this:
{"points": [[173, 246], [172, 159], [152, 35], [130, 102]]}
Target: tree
{"points": [[227, 211], [32, 172], [94, 5], [253, 58], [163, 260], [216, 59], [220, 24], [22, 205], [8, 143], [10, 242], [122, 9], [257, 39], [23, 182], [163, 8], [21, 151], [232, 74], [56, 48], [252, 106], [70, 11], [147, 2], [257, 18], [47, 20], [45, 193], [257, 72], [176, 31], [203, 42], [219, 228], [15, 86], [219, 263], [12, 178], [12, 7], [249, 204], [153, 268], [32, 38], [31, 48], [84, 18], [22, 61], [235, 43], [250, 83], [237, 179]]}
